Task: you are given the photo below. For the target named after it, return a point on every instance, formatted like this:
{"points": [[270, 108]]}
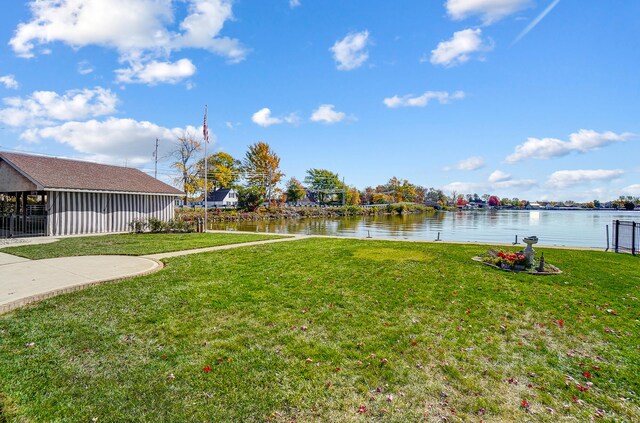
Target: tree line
{"points": [[257, 176]]}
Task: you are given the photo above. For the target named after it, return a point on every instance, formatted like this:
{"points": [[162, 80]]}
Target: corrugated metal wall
{"points": [[74, 213]]}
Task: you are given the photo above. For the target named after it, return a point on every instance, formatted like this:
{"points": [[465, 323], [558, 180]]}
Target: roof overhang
{"points": [[164, 194]]}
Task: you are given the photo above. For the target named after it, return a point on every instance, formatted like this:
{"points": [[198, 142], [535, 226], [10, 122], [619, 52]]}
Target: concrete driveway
{"points": [[24, 281]]}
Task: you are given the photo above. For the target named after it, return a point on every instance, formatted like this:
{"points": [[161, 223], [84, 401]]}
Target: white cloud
{"points": [[9, 81], [45, 107], [567, 178], [263, 118], [326, 114], [581, 142], [458, 49], [514, 183], [294, 3], [632, 190], [499, 176], [155, 72], [421, 101], [464, 187], [138, 29], [490, 11], [350, 52], [471, 163], [85, 68], [489, 186], [113, 139]]}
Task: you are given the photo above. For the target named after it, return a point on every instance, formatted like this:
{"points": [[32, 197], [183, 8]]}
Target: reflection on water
{"points": [[553, 227]]}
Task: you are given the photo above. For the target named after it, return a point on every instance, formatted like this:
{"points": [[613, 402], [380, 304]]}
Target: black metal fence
{"points": [[626, 236], [32, 223]]}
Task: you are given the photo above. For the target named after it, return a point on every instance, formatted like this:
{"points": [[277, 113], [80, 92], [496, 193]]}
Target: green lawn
{"points": [[130, 244], [333, 330]]}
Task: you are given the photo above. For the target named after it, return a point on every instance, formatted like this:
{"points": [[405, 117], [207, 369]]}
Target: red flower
{"points": [[586, 374], [525, 404], [206, 369]]}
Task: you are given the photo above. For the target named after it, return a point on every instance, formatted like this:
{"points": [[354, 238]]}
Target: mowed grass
{"points": [[130, 244], [333, 330]]}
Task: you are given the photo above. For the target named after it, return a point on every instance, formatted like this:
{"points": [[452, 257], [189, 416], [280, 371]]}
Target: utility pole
{"points": [[269, 189], [155, 155], [205, 135]]}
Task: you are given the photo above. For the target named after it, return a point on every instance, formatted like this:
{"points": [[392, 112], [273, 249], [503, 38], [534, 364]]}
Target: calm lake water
{"points": [[577, 228]]}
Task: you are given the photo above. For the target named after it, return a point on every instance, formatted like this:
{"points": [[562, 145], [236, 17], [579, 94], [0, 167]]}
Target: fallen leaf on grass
{"points": [[206, 369], [362, 409], [582, 388]]}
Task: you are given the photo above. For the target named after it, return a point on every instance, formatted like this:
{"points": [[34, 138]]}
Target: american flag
{"points": [[205, 129]]}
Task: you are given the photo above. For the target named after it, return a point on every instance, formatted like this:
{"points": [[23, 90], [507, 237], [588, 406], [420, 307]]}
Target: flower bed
{"points": [[515, 262]]}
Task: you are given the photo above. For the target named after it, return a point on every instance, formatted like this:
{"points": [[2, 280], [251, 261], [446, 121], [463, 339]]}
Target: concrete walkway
{"points": [[24, 281]]}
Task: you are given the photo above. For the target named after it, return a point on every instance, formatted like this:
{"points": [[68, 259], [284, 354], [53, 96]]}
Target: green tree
{"points": [[295, 191], [184, 156], [325, 185], [223, 171], [261, 167]]}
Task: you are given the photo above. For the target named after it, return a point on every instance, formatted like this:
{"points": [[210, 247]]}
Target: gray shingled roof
{"points": [[218, 195], [49, 173]]}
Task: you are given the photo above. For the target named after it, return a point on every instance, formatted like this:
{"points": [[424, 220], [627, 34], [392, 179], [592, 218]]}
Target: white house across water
{"points": [[50, 196], [224, 198]]}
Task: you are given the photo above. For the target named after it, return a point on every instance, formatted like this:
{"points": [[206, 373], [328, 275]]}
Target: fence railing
{"points": [[626, 236], [20, 226]]}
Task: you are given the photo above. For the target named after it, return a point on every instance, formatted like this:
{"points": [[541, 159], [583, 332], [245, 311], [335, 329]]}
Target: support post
{"points": [[633, 238], [616, 232], [24, 211], [607, 228]]}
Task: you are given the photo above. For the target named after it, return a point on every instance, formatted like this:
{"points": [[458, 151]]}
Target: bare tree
{"points": [[184, 156]]}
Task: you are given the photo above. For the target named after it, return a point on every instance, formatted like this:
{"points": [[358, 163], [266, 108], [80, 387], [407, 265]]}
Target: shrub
{"points": [[156, 225], [138, 226], [180, 226]]}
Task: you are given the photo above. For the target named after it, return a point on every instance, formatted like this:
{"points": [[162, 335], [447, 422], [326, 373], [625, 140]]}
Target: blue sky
{"points": [[454, 94]]}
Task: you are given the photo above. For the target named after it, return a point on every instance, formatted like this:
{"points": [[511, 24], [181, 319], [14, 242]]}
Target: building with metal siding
{"points": [[73, 197]]}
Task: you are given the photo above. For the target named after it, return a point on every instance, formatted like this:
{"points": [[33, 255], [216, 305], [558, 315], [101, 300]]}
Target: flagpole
{"points": [[205, 133]]}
